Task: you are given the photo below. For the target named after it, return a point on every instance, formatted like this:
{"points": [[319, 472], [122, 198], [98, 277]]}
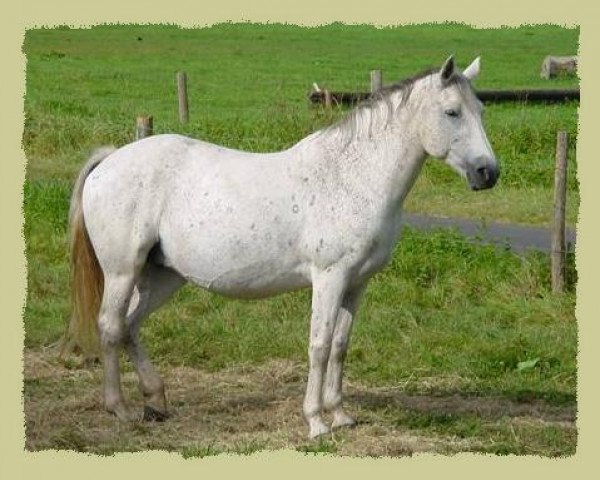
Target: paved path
{"points": [[520, 238]]}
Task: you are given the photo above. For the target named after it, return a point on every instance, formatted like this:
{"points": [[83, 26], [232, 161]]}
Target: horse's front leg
{"points": [[328, 291], [332, 395]]}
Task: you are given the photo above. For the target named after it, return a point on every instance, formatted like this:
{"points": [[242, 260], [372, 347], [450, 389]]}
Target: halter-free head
{"points": [[452, 126]]}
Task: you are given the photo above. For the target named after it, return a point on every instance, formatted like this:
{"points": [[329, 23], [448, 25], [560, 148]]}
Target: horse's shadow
{"points": [[438, 405], [490, 406]]}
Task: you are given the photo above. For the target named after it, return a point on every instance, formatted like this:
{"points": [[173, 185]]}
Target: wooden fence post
{"points": [[144, 127], [376, 81], [328, 101], [558, 232], [183, 97]]}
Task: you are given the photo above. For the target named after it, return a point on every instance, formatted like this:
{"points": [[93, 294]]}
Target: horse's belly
{"points": [[254, 280], [250, 282], [237, 262]]}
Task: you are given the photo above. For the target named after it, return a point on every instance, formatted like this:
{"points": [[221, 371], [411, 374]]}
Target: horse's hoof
{"points": [[317, 429], [153, 415], [341, 420], [123, 413]]}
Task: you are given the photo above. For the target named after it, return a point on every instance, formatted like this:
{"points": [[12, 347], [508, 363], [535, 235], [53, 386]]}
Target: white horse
{"points": [[325, 213]]}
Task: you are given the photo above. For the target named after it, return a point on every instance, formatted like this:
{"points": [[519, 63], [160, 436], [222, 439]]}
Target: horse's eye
{"points": [[451, 112]]}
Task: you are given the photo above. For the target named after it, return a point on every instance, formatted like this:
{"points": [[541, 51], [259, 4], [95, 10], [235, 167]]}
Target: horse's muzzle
{"points": [[483, 177]]}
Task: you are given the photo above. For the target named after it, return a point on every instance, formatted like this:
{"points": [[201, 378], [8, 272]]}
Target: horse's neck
{"points": [[383, 167]]}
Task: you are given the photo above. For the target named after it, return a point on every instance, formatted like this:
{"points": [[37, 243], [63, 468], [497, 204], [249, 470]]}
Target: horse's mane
{"points": [[375, 113]]}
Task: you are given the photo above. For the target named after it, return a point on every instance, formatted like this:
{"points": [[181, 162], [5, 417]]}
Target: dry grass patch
{"points": [[246, 408]]}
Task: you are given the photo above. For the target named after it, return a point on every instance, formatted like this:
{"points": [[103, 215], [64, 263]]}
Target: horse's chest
{"points": [[376, 250], [363, 247]]}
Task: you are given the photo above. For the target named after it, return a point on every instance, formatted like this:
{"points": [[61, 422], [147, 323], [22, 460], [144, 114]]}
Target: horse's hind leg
{"points": [[122, 268], [155, 286], [111, 323]]}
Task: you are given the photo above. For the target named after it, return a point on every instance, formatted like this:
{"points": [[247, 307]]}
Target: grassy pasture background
{"points": [[445, 318]]}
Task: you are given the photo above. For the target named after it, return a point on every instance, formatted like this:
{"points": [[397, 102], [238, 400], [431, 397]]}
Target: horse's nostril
{"points": [[484, 173]]}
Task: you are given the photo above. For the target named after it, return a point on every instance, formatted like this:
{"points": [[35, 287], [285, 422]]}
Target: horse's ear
{"points": [[447, 69], [473, 70]]}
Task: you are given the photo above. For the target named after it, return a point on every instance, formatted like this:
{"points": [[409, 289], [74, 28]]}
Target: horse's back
{"points": [[162, 165], [167, 152]]}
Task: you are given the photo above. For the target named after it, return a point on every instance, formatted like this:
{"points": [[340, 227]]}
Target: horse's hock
{"points": [[554, 66]]}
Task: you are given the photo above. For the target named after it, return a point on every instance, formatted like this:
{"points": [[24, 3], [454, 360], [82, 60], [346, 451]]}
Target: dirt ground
{"points": [[246, 409]]}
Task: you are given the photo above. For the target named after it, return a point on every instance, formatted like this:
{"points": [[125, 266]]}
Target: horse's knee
{"points": [[339, 347], [319, 352], [112, 332]]}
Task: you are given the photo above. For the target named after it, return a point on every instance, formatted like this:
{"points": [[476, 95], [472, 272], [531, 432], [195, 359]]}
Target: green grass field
{"points": [[447, 319]]}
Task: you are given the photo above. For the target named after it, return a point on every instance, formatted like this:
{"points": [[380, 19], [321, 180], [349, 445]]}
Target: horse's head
{"points": [[452, 126]]}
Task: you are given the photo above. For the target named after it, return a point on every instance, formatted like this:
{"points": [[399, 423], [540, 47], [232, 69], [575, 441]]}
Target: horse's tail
{"points": [[87, 279]]}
